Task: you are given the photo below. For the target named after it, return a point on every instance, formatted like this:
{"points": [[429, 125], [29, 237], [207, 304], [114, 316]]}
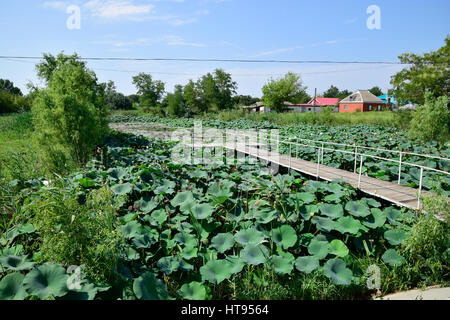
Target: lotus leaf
{"points": [[376, 219], [16, 263], [333, 211], [148, 287], [249, 236], [357, 208], [319, 249], [193, 291], [121, 189], [392, 258], [336, 270], [254, 254], [395, 237], [11, 287], [46, 280], [215, 271], [307, 264], [284, 236], [347, 225], [338, 248], [282, 265], [323, 224], [222, 242], [202, 211]]}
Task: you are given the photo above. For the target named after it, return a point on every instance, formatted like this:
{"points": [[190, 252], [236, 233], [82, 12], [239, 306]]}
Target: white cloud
{"points": [[57, 5], [112, 9]]}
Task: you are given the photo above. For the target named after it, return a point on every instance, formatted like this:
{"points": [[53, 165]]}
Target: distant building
{"points": [[389, 100], [315, 105], [258, 107], [362, 100]]}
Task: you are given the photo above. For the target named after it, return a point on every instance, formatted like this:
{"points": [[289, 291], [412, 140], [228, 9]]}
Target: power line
{"points": [[218, 60]]}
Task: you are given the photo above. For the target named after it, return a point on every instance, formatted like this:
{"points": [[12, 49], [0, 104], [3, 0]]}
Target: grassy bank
{"points": [[18, 150], [383, 118]]}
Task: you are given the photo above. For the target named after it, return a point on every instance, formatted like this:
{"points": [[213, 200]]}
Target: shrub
{"points": [[13, 103], [430, 121], [70, 117], [74, 233]]}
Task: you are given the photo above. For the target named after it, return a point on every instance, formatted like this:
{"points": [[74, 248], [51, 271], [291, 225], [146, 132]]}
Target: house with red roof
{"points": [[315, 105], [363, 101]]}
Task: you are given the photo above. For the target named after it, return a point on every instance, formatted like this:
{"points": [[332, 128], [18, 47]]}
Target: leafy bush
{"points": [[74, 233], [13, 103], [69, 117], [430, 121]]}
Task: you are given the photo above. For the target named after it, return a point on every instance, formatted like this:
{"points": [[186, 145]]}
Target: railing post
{"points": [[356, 155], [322, 153], [360, 171], [318, 163], [296, 149], [290, 156], [420, 188], [400, 168]]}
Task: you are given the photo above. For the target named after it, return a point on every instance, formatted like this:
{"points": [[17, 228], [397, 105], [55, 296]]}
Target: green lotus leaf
{"points": [[186, 239], [193, 291], [202, 211], [167, 187], [333, 211], [46, 280], [371, 202], [148, 287], [305, 197], [308, 211], [131, 229], [393, 215], [11, 287], [376, 219], [307, 264], [118, 173], [254, 254], [336, 270], [168, 264], [284, 236], [144, 241], [16, 263], [249, 236], [338, 248], [220, 192], [185, 200], [347, 225], [87, 182], [265, 215], [129, 254], [323, 224], [146, 205], [357, 208], [87, 292], [282, 265], [395, 237], [222, 242], [158, 217], [392, 258], [189, 252], [121, 189], [215, 271], [236, 264], [185, 266], [335, 197], [319, 249], [16, 250]]}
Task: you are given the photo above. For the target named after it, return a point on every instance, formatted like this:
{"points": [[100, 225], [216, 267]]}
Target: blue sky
{"points": [[224, 29]]}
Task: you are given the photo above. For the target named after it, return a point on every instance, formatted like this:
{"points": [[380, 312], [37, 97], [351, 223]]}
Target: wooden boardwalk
{"points": [[392, 192]]}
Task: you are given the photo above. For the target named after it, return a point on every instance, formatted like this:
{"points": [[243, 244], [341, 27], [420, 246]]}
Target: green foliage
{"points": [[74, 233], [50, 64], [427, 72], [116, 100], [175, 102], [69, 117], [287, 89], [376, 91], [150, 93], [13, 103], [334, 92], [430, 121], [8, 86]]}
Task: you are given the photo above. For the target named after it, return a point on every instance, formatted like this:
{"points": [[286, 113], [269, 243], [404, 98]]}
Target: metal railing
{"points": [[356, 153]]}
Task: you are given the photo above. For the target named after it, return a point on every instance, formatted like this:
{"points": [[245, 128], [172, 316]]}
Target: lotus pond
{"points": [[221, 231]]}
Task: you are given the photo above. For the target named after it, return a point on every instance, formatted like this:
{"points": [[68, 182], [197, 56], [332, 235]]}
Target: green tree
{"points": [[427, 72], [225, 89], [289, 88], [334, 92], [150, 92], [430, 121], [244, 100], [70, 116], [175, 102], [8, 86], [194, 97], [116, 100], [376, 91], [51, 63]]}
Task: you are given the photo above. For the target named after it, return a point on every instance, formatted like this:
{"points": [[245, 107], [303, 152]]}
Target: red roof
{"points": [[322, 102]]}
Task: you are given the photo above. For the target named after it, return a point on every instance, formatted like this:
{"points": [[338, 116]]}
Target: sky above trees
{"points": [[224, 29]]}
